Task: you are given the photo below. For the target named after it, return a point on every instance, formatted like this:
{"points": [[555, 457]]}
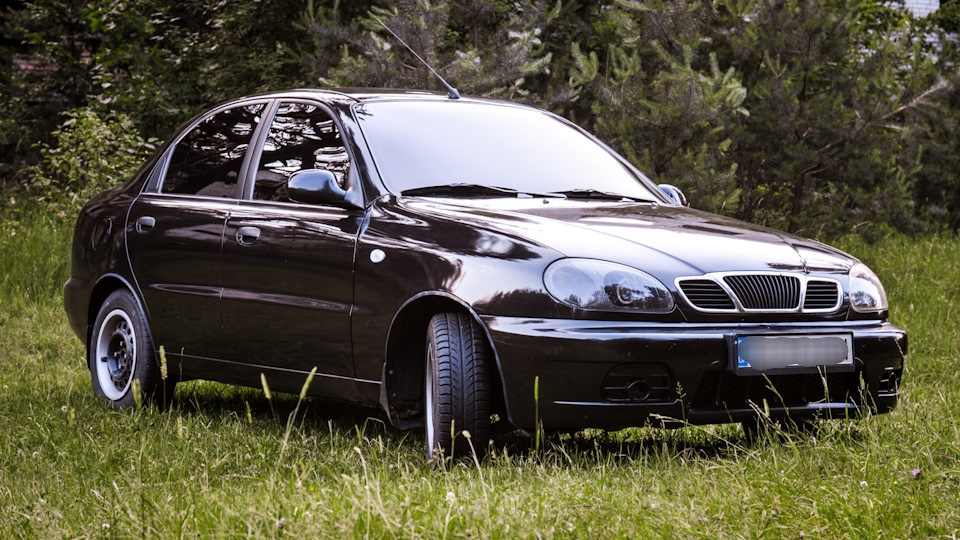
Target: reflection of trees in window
{"points": [[207, 161], [301, 137]]}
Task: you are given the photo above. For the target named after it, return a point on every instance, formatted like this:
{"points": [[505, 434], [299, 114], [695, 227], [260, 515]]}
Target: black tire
{"points": [[458, 395], [121, 351]]}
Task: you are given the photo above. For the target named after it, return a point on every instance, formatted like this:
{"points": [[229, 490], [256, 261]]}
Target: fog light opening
{"points": [[889, 383], [893, 385], [638, 390], [638, 383]]}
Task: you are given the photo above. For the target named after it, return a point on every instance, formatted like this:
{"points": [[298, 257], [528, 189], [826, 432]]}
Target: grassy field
{"points": [[218, 464]]}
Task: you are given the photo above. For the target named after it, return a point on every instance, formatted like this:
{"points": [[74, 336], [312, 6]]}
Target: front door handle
{"points": [[145, 223], [248, 235]]}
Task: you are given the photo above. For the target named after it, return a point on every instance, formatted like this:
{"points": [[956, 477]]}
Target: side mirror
{"points": [[674, 194], [315, 186]]}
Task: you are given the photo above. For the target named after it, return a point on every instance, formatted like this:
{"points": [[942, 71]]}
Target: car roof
{"points": [[357, 95]]}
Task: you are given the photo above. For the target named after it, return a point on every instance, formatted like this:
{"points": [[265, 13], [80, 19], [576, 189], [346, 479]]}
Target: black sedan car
{"points": [[457, 260]]}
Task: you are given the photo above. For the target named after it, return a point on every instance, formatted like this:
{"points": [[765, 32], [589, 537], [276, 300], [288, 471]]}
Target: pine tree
{"points": [[659, 95], [484, 47], [832, 87]]}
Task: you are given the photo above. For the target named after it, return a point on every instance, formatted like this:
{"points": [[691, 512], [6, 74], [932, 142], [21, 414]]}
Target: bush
{"points": [[92, 153]]}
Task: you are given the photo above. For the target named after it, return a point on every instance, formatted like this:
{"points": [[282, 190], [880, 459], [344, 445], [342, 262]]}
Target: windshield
{"points": [[419, 144]]}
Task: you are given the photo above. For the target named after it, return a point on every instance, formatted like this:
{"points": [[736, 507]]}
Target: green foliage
{"points": [[808, 116], [161, 62], [947, 16], [46, 36], [659, 96], [90, 154], [156, 62], [833, 90], [485, 47], [816, 117], [937, 130]]}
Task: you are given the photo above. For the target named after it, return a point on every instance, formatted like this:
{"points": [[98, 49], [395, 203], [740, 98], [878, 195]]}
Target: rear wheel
{"points": [[457, 397], [122, 357]]}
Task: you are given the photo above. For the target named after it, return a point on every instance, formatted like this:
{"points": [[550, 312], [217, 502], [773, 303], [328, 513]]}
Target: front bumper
{"points": [[612, 374]]}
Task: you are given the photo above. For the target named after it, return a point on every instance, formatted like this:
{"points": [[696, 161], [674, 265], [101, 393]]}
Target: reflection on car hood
{"points": [[678, 241]]}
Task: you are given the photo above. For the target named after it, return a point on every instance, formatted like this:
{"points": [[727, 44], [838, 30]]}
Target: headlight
{"points": [[866, 291], [593, 284]]}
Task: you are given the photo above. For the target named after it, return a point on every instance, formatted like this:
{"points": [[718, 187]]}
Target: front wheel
{"points": [[457, 395], [122, 357]]}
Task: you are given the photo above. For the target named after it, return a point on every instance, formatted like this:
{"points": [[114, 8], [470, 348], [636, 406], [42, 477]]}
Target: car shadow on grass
{"points": [[591, 447], [316, 414], [587, 447]]}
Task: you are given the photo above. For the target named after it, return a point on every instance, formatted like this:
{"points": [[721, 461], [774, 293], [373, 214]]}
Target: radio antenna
{"points": [[452, 92]]}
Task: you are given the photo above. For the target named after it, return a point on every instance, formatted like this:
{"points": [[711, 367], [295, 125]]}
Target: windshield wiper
{"points": [[593, 194], [473, 190]]}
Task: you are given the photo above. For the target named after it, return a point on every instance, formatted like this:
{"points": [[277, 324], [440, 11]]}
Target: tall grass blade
{"points": [[293, 415]]}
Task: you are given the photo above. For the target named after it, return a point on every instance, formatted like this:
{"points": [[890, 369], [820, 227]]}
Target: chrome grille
{"points": [[822, 295], [766, 291], [760, 292], [707, 294]]}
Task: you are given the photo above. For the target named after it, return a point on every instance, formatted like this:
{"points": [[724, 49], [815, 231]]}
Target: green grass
{"points": [[215, 466]]}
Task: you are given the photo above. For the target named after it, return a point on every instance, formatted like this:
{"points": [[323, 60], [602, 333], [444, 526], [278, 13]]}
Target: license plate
{"points": [[793, 353]]}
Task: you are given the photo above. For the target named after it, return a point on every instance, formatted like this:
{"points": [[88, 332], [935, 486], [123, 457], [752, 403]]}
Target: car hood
{"points": [[659, 239]]}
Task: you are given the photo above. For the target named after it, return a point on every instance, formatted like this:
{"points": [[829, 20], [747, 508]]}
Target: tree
{"points": [[47, 54], [484, 47], [937, 130], [831, 90], [152, 61], [947, 17], [806, 115], [660, 97]]}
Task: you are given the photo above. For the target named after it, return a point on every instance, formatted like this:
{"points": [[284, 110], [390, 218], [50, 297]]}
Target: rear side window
{"points": [[207, 161], [302, 136]]}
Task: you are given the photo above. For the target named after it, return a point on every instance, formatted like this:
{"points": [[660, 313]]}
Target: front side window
{"points": [[302, 136], [207, 161]]}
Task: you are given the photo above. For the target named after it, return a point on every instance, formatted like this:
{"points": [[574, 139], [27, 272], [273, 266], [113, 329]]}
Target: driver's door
{"points": [[287, 266]]}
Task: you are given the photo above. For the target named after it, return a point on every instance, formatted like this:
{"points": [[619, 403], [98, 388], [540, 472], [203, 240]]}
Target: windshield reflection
{"points": [[432, 143]]}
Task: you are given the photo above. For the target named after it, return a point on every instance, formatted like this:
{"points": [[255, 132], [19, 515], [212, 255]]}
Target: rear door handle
{"points": [[145, 223], [248, 235]]}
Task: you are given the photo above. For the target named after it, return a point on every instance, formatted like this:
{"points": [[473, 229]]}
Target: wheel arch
{"points": [[106, 285], [401, 385]]}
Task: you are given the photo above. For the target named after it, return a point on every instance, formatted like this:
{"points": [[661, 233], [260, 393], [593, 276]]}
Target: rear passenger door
{"points": [[288, 266], [175, 228]]}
